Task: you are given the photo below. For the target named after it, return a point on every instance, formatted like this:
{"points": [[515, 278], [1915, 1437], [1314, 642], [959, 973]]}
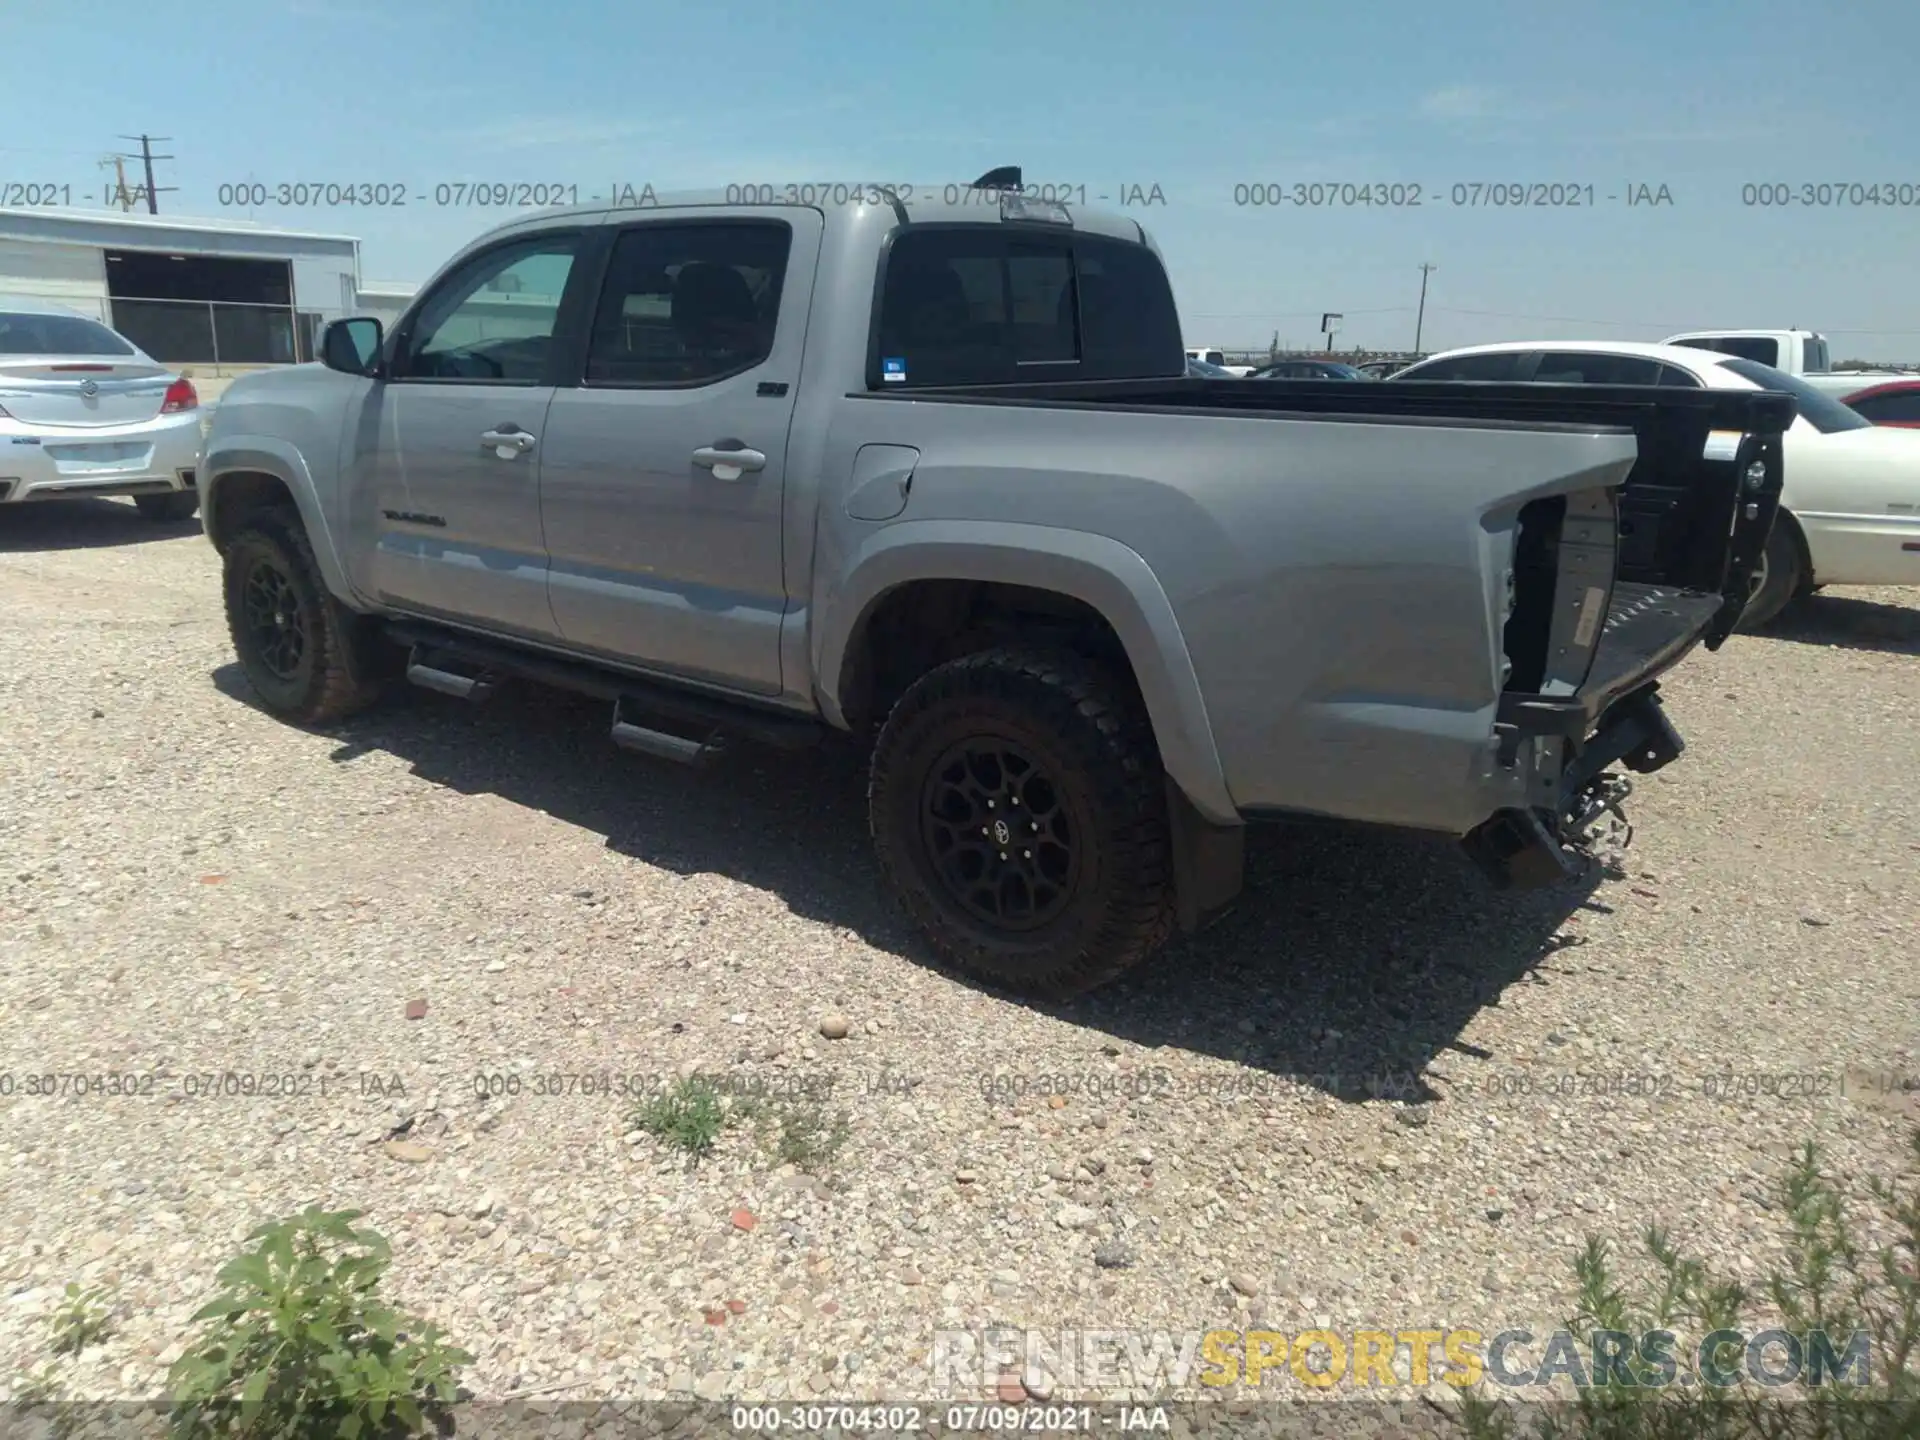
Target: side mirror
{"points": [[352, 346]]}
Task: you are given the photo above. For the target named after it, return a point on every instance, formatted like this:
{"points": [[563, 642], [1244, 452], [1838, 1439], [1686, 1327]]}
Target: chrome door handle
{"points": [[729, 459], [506, 443]]}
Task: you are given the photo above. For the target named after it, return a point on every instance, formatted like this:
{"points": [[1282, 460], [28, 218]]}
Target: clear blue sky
{"points": [[1702, 96]]}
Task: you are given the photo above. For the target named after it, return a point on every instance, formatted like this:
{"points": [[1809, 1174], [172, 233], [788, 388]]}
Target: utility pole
{"points": [[119, 195], [1420, 321], [147, 157]]}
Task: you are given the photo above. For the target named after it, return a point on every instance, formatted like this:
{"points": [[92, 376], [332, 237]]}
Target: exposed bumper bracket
{"points": [[1524, 849]]}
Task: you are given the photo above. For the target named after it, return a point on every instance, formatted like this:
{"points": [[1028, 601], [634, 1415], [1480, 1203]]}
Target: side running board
{"points": [[471, 669], [427, 670], [662, 744]]}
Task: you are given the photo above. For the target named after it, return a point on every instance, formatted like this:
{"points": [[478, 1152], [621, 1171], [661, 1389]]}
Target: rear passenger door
{"points": [[663, 462]]}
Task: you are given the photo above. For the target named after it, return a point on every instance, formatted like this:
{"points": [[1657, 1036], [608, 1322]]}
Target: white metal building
{"points": [[386, 300], [219, 296]]}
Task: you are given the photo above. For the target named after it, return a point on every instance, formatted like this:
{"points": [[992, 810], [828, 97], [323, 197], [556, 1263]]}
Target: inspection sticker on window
{"points": [[893, 371], [1722, 444]]}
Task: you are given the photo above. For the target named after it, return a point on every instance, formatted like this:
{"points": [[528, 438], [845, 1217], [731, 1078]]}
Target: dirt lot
{"points": [[189, 890]]}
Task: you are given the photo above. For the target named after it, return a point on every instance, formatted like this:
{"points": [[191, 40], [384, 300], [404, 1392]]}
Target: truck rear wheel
{"points": [[1019, 811], [308, 658]]}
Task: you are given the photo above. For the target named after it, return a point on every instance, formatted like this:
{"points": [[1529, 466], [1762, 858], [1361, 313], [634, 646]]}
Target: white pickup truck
{"points": [[1209, 355], [1794, 352]]}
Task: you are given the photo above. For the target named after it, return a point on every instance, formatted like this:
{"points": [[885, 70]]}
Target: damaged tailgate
{"points": [[1611, 588]]}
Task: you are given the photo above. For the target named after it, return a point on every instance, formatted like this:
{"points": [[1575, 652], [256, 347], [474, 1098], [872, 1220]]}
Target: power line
{"points": [[39, 150], [1557, 319], [1290, 314], [1640, 324]]}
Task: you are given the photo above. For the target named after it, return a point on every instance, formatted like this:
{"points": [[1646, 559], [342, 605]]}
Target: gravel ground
{"points": [[435, 893]]}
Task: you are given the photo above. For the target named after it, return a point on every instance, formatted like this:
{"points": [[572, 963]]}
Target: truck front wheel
{"points": [[308, 658], [1019, 811]]}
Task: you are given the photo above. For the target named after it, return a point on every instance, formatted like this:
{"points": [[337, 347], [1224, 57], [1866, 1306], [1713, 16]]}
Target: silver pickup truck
{"points": [[930, 466]]}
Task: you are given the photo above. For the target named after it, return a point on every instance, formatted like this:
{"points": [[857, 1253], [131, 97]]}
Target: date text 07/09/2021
{"points": [[949, 1419], [626, 194]]}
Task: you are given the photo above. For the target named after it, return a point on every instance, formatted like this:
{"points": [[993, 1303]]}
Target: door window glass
{"points": [[689, 304], [494, 319]]}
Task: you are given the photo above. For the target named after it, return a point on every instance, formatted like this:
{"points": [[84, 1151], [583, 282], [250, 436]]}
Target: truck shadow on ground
{"points": [[1847, 620], [1352, 961], [83, 525]]}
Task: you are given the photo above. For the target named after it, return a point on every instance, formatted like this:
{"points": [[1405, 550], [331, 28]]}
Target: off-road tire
{"points": [[1784, 581], [340, 666], [173, 506], [1090, 739]]}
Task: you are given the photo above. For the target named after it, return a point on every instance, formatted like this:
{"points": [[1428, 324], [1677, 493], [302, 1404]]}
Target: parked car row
{"points": [[1211, 362]]}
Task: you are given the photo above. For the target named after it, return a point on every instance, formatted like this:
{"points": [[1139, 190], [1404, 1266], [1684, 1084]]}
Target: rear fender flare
{"points": [[1099, 571]]}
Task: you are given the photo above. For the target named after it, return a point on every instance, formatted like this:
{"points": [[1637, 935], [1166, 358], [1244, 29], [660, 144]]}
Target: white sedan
{"points": [[83, 411], [1850, 513]]}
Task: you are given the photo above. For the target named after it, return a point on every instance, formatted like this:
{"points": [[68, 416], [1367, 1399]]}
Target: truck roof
{"points": [[930, 204], [1746, 334]]}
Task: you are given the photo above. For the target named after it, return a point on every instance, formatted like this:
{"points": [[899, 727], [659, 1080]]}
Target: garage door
{"points": [[70, 275]]}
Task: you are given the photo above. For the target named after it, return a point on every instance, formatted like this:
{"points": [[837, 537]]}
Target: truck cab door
{"points": [[442, 457], [663, 463]]}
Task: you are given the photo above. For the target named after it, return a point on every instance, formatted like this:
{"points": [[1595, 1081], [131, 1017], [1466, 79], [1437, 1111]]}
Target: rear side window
{"points": [[1897, 407], [983, 305], [1501, 365], [1567, 367], [36, 334], [1822, 411], [688, 304]]}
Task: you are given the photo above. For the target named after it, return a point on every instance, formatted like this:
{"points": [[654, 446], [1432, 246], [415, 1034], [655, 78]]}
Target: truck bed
{"points": [[1459, 401], [1684, 523]]}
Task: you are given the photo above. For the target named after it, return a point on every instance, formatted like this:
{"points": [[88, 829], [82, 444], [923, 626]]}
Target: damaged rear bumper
{"points": [[1565, 744], [1526, 848]]}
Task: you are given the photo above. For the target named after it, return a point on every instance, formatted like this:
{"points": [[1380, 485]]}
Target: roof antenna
{"points": [[1007, 177]]}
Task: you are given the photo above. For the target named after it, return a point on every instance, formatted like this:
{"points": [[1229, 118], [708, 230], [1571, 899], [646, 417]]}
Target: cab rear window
{"points": [[993, 305]]}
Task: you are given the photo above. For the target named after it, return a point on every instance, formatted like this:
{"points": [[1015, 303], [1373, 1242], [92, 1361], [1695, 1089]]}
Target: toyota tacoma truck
{"points": [[927, 469]]}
